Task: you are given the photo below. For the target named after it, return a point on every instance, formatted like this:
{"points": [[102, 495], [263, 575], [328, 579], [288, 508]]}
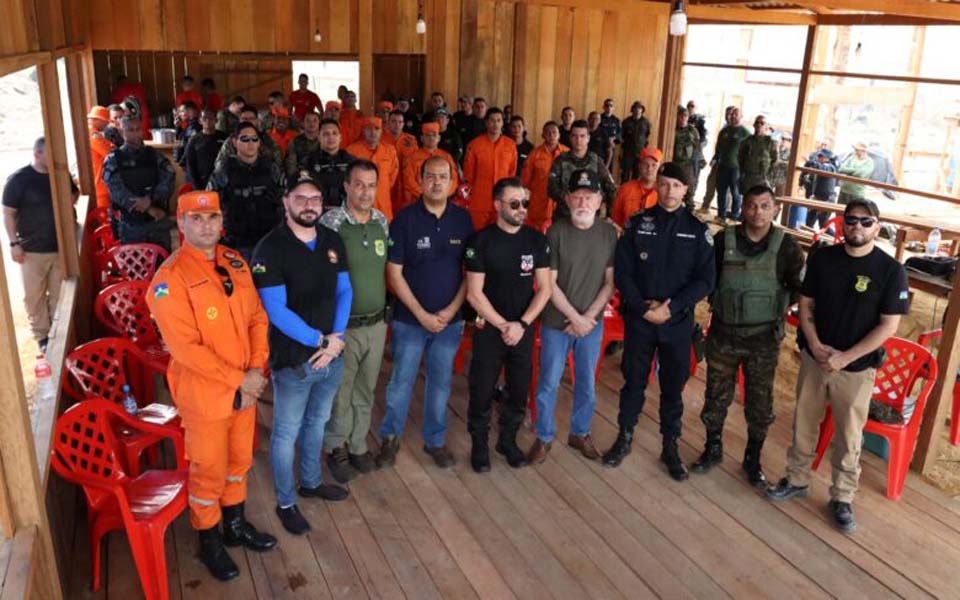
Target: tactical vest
{"points": [[749, 292], [329, 173], [684, 149], [138, 170], [252, 204], [757, 164]]}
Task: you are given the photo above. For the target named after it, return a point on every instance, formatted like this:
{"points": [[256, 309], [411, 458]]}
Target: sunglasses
{"points": [[249, 139], [225, 279], [516, 204], [865, 222]]}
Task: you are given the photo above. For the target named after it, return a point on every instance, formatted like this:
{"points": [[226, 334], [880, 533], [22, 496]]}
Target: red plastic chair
{"points": [[132, 262], [837, 224], [100, 369], [100, 242], [85, 453], [926, 340], [905, 363], [122, 310]]}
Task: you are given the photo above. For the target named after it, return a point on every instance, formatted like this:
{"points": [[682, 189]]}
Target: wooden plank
{"points": [[885, 186], [19, 572], [798, 123], [698, 13], [365, 92]]}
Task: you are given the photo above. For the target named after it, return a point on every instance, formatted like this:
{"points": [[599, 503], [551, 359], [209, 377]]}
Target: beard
{"points": [[306, 218], [583, 218], [858, 242], [515, 221]]}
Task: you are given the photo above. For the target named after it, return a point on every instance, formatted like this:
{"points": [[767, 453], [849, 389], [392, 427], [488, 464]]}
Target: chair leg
{"points": [[133, 462], [95, 539], [897, 466], [826, 435], [955, 416], [146, 543]]}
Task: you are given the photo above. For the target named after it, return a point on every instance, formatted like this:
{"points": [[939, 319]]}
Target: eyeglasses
{"points": [[865, 222], [516, 204], [225, 280], [249, 139], [305, 200]]}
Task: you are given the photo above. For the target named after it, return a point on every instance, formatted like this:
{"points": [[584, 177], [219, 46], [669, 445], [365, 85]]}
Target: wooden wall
{"points": [[37, 25]]}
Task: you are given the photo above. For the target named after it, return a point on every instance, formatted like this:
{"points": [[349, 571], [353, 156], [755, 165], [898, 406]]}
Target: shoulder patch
{"points": [[471, 253], [258, 267], [161, 290], [236, 264], [709, 237]]}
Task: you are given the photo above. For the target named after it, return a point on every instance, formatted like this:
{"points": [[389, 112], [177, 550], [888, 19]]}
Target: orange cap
{"points": [[430, 128], [198, 202], [281, 113], [375, 122], [99, 112], [384, 105], [331, 104], [651, 152]]}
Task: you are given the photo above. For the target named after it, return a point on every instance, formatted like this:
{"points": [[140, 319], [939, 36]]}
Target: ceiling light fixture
{"points": [[678, 20]]}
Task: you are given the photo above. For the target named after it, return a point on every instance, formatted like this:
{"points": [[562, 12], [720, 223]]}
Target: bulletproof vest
{"points": [[684, 148], [758, 156], [749, 292], [329, 172], [251, 202], [138, 170]]}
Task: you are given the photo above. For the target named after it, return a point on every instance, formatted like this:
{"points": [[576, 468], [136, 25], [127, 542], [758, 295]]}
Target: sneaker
{"points": [[326, 491], [292, 520], [339, 464], [584, 443], [843, 516], [388, 452], [441, 456], [363, 463], [785, 490]]}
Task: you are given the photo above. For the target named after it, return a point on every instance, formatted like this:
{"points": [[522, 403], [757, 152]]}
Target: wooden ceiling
{"points": [[828, 12]]}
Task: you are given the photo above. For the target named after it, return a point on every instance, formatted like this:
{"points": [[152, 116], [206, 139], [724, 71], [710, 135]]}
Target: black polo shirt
{"points": [[310, 278], [431, 252], [509, 261]]}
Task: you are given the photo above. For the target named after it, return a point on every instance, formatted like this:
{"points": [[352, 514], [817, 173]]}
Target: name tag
{"points": [[687, 235], [642, 232]]}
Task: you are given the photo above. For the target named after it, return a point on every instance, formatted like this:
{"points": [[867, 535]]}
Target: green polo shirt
{"points": [[728, 145], [366, 245]]}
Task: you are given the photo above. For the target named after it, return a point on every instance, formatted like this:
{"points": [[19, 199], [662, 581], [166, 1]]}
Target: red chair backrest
{"points": [[131, 262], [122, 308], [84, 447], [905, 362], [185, 189], [837, 224], [100, 369]]}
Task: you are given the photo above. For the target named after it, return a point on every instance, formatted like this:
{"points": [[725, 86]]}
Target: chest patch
{"points": [[526, 263], [332, 256], [379, 247], [647, 226], [212, 312], [423, 243], [863, 282]]}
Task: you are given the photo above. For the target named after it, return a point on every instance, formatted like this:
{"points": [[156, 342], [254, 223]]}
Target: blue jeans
{"points": [[408, 344], [798, 214], [554, 347], [302, 399], [728, 180]]}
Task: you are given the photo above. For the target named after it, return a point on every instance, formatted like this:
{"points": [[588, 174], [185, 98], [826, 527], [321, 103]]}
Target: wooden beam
{"points": [[56, 152], [877, 19], [670, 96], [907, 8], [365, 51], [801, 103], [77, 95], [11, 63], [699, 14], [743, 67], [906, 115], [881, 185]]}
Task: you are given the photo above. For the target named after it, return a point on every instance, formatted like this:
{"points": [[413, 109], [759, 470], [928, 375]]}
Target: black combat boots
{"points": [[480, 454], [751, 462], [238, 531], [670, 456], [214, 555], [507, 446], [712, 453], [620, 448]]}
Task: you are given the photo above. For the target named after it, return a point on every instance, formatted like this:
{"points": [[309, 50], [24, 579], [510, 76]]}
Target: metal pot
{"points": [[164, 136]]}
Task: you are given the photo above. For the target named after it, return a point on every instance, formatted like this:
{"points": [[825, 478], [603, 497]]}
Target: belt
{"points": [[365, 320]]}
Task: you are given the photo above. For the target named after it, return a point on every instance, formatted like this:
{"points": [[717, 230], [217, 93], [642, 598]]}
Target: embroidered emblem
{"points": [[161, 290], [862, 283], [212, 313], [379, 247], [258, 267], [236, 264], [526, 263]]}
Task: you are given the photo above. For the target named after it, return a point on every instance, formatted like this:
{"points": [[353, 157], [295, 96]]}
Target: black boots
{"points": [[214, 555], [751, 462], [712, 453], [237, 531], [507, 446], [670, 456], [480, 454], [620, 448]]}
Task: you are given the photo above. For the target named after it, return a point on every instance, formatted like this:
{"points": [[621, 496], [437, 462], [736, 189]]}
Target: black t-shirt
{"points": [[849, 296], [310, 278], [509, 261], [28, 191]]}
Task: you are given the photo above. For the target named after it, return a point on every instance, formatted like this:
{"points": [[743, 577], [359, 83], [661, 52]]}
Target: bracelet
{"points": [[524, 324], [16, 243]]}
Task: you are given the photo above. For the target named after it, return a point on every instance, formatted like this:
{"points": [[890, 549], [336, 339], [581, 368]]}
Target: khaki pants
{"points": [[42, 276], [848, 395], [350, 419]]}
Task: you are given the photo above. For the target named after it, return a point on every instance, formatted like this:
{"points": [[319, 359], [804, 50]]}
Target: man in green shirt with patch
{"points": [[726, 153], [364, 233], [859, 164]]}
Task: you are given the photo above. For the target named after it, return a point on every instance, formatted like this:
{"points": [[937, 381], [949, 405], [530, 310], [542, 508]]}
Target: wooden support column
{"points": [[941, 398], [670, 98], [906, 116], [77, 97], [56, 151], [365, 52], [798, 124]]}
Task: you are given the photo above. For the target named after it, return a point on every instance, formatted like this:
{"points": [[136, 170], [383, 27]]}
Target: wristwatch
{"points": [[324, 343], [524, 324], [16, 243]]}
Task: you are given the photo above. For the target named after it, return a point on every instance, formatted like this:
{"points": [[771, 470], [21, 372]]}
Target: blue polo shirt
{"points": [[431, 252]]}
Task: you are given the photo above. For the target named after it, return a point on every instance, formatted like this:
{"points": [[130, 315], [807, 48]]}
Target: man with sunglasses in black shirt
{"points": [[850, 303], [508, 284]]}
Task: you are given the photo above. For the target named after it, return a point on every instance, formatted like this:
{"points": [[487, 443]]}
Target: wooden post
{"points": [[798, 118], [56, 152], [906, 117], [670, 97], [941, 398], [365, 52], [77, 96]]}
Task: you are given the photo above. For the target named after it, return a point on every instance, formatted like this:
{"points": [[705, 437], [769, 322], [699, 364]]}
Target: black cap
{"points": [[674, 171], [583, 179], [869, 205], [303, 176]]}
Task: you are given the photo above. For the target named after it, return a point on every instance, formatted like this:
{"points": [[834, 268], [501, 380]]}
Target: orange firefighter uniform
{"points": [[536, 173], [405, 145], [216, 330], [100, 147], [485, 163], [633, 196], [411, 170], [388, 167], [351, 126]]}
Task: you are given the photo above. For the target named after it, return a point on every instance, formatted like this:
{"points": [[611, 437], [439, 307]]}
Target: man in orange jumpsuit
{"points": [[100, 147], [489, 158], [351, 119], [641, 193], [382, 155], [331, 110], [384, 108], [536, 173], [281, 132], [411, 167], [303, 100], [210, 316], [405, 145]]}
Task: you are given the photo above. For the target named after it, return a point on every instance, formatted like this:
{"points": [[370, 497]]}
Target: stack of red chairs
{"points": [[131, 262], [121, 308]]}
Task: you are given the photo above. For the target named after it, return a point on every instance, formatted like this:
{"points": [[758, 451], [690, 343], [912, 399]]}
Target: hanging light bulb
{"points": [[316, 36], [421, 25], [678, 20]]}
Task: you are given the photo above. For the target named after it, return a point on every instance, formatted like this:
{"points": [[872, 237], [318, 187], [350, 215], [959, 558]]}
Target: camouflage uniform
{"points": [[268, 148], [227, 121], [756, 157], [780, 172], [564, 166], [687, 153], [299, 151]]}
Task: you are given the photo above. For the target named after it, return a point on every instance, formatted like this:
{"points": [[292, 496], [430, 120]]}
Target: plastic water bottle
{"points": [[933, 241], [43, 372], [129, 402]]}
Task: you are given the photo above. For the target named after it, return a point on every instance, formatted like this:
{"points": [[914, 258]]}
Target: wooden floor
{"points": [[571, 528]]}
